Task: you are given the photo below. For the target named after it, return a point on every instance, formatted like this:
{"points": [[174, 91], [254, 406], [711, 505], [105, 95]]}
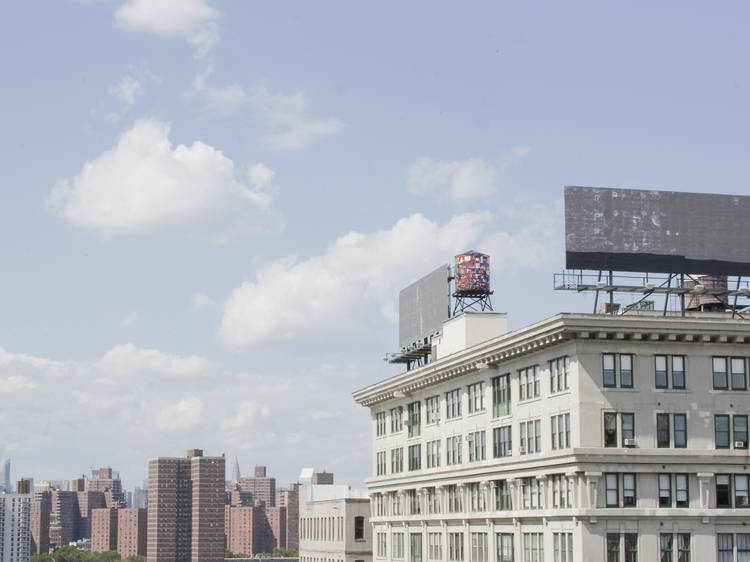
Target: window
{"points": [[562, 544], [628, 490], [432, 409], [479, 547], [683, 547], [502, 445], [723, 491], [739, 381], [380, 505], [558, 374], [501, 396], [680, 430], [613, 547], [682, 492], [721, 380], [504, 545], [433, 454], [380, 424], [725, 545], [631, 547], [661, 376], [721, 431], [456, 547], [477, 497], [414, 421], [528, 383], [678, 373], [359, 528], [610, 429], [662, 430], [531, 438], [628, 429], [609, 371], [531, 493], [740, 491], [414, 505], [739, 428], [560, 431], [380, 456], [612, 488], [476, 397], [609, 377], [666, 541], [397, 549], [533, 547], [453, 450], [743, 547], [397, 415], [453, 404], [626, 371], [477, 448], [454, 499], [395, 503], [397, 460], [433, 504], [415, 457], [435, 546], [502, 496], [561, 491], [415, 547], [382, 541], [665, 490]]}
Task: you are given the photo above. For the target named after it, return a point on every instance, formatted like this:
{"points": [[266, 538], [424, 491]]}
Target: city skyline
{"points": [[208, 209]]}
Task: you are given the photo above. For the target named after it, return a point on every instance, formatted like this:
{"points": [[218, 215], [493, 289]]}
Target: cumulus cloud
{"points": [[127, 90], [330, 297], [472, 178], [192, 20], [286, 116], [132, 403], [145, 185], [203, 302], [185, 414]]}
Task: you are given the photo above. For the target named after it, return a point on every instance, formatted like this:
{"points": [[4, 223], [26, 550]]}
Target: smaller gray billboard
{"points": [[423, 306]]}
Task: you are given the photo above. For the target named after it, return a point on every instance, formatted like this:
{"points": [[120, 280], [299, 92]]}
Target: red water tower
{"points": [[472, 282]]}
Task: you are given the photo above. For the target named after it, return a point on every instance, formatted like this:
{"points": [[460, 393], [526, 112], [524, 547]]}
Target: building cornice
{"points": [[699, 328]]}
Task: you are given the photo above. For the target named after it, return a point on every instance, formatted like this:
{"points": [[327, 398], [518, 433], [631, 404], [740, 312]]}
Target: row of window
{"points": [[671, 430], [532, 546], [732, 491], [329, 528], [530, 434], [529, 387], [669, 371]]}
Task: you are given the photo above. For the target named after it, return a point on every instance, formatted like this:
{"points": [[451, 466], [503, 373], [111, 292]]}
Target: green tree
{"points": [[42, 558]]}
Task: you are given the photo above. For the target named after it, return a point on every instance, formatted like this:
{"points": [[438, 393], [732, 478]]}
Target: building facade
{"points": [[334, 523], [620, 438], [186, 509], [15, 527]]}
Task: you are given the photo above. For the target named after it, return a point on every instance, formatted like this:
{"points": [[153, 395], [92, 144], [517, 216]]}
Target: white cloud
{"points": [[325, 298], [144, 185], [466, 179], [127, 90], [459, 180], [126, 406], [185, 414], [203, 302], [130, 319], [285, 115], [192, 20]]}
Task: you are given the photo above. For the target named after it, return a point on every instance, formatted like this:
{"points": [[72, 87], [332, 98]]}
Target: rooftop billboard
{"points": [[423, 306], [656, 231]]}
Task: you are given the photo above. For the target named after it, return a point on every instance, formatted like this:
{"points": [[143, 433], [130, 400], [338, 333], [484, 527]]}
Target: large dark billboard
{"points": [[656, 231]]}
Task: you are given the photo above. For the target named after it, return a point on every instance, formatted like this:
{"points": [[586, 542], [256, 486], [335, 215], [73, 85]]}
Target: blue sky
{"points": [[208, 208]]}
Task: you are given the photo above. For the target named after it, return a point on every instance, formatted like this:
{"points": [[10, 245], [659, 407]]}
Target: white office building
{"points": [[15, 527], [334, 523], [583, 437]]}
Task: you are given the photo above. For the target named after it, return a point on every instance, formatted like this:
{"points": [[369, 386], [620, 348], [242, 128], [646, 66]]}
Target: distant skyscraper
{"points": [[236, 471], [186, 508], [108, 482], [15, 527], [262, 487], [5, 476]]}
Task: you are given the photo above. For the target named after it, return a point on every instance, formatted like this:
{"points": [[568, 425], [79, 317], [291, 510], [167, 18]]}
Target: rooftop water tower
{"points": [[472, 282]]}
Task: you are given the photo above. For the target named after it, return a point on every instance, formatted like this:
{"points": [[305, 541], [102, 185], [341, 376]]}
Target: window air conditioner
{"points": [[630, 442], [739, 444], [522, 450]]}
